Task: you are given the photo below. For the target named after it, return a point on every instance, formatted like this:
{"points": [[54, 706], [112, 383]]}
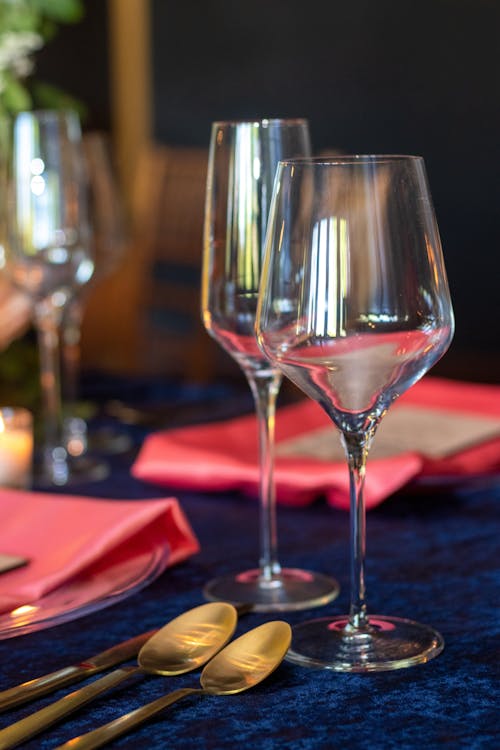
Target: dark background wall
{"points": [[77, 61], [392, 76]]}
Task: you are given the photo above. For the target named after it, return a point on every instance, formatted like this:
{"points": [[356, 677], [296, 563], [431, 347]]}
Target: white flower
{"points": [[15, 50]]}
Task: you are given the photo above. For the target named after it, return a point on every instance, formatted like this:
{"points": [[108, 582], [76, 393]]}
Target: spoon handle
{"points": [[36, 722], [107, 732]]}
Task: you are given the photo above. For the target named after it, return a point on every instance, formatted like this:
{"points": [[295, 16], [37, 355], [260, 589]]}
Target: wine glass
{"points": [[242, 162], [354, 308], [106, 216], [47, 250]]}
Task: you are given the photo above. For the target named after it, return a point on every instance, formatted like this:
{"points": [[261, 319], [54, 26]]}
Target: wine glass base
{"points": [[80, 437], [386, 643], [74, 471], [109, 440], [291, 589]]}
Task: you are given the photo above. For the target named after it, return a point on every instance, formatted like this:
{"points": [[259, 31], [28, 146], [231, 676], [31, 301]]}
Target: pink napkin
{"points": [[64, 535], [223, 456]]}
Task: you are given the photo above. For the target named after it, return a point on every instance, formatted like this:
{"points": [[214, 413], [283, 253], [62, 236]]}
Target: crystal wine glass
{"points": [[106, 216], [354, 308], [242, 164], [48, 253]]}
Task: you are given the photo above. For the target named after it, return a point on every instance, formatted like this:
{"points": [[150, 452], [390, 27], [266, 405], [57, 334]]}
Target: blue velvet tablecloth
{"points": [[431, 556]]}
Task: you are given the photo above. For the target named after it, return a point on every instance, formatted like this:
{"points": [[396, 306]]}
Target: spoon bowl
{"points": [[248, 660], [188, 641]]}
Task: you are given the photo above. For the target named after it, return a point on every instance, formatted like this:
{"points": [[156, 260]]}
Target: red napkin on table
{"points": [[63, 535], [223, 456]]}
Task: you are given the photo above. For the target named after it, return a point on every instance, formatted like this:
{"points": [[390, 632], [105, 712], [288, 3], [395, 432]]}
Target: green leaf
{"points": [[15, 96], [47, 96], [18, 16], [63, 11], [48, 29]]}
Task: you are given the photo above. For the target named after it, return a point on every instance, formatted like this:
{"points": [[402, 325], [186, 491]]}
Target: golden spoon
{"points": [[241, 665], [182, 645]]}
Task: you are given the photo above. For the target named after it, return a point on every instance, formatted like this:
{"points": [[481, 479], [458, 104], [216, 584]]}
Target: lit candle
{"points": [[16, 447]]}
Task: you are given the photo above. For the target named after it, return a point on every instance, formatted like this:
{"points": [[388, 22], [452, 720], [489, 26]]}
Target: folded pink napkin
{"points": [[62, 536], [438, 428]]}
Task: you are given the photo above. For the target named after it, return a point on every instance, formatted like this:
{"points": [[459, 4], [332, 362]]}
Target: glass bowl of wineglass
{"points": [[109, 241]]}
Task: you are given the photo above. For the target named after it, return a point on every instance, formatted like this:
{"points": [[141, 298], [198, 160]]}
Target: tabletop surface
{"points": [[431, 556]]}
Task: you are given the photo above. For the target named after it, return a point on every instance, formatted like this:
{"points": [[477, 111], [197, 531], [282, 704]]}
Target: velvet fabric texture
{"points": [[431, 556]]}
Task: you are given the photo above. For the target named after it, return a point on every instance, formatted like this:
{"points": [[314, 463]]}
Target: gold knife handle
{"points": [[28, 691], [32, 689], [36, 722], [107, 732]]}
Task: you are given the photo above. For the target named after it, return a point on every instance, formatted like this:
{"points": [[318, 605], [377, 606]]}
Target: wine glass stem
{"points": [[357, 446], [70, 352], [47, 322], [265, 388]]}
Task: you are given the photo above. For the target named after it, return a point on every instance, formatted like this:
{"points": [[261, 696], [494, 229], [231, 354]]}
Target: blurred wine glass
{"points": [[47, 250], [242, 164], [106, 216], [354, 308]]}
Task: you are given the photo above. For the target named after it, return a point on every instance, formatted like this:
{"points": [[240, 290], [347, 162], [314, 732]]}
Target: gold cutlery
{"points": [[49, 683], [243, 664], [185, 643], [27, 691]]}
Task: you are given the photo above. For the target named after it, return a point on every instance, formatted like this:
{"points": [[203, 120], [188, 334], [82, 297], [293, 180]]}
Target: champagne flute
{"points": [[242, 163], [47, 252], [354, 308]]}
